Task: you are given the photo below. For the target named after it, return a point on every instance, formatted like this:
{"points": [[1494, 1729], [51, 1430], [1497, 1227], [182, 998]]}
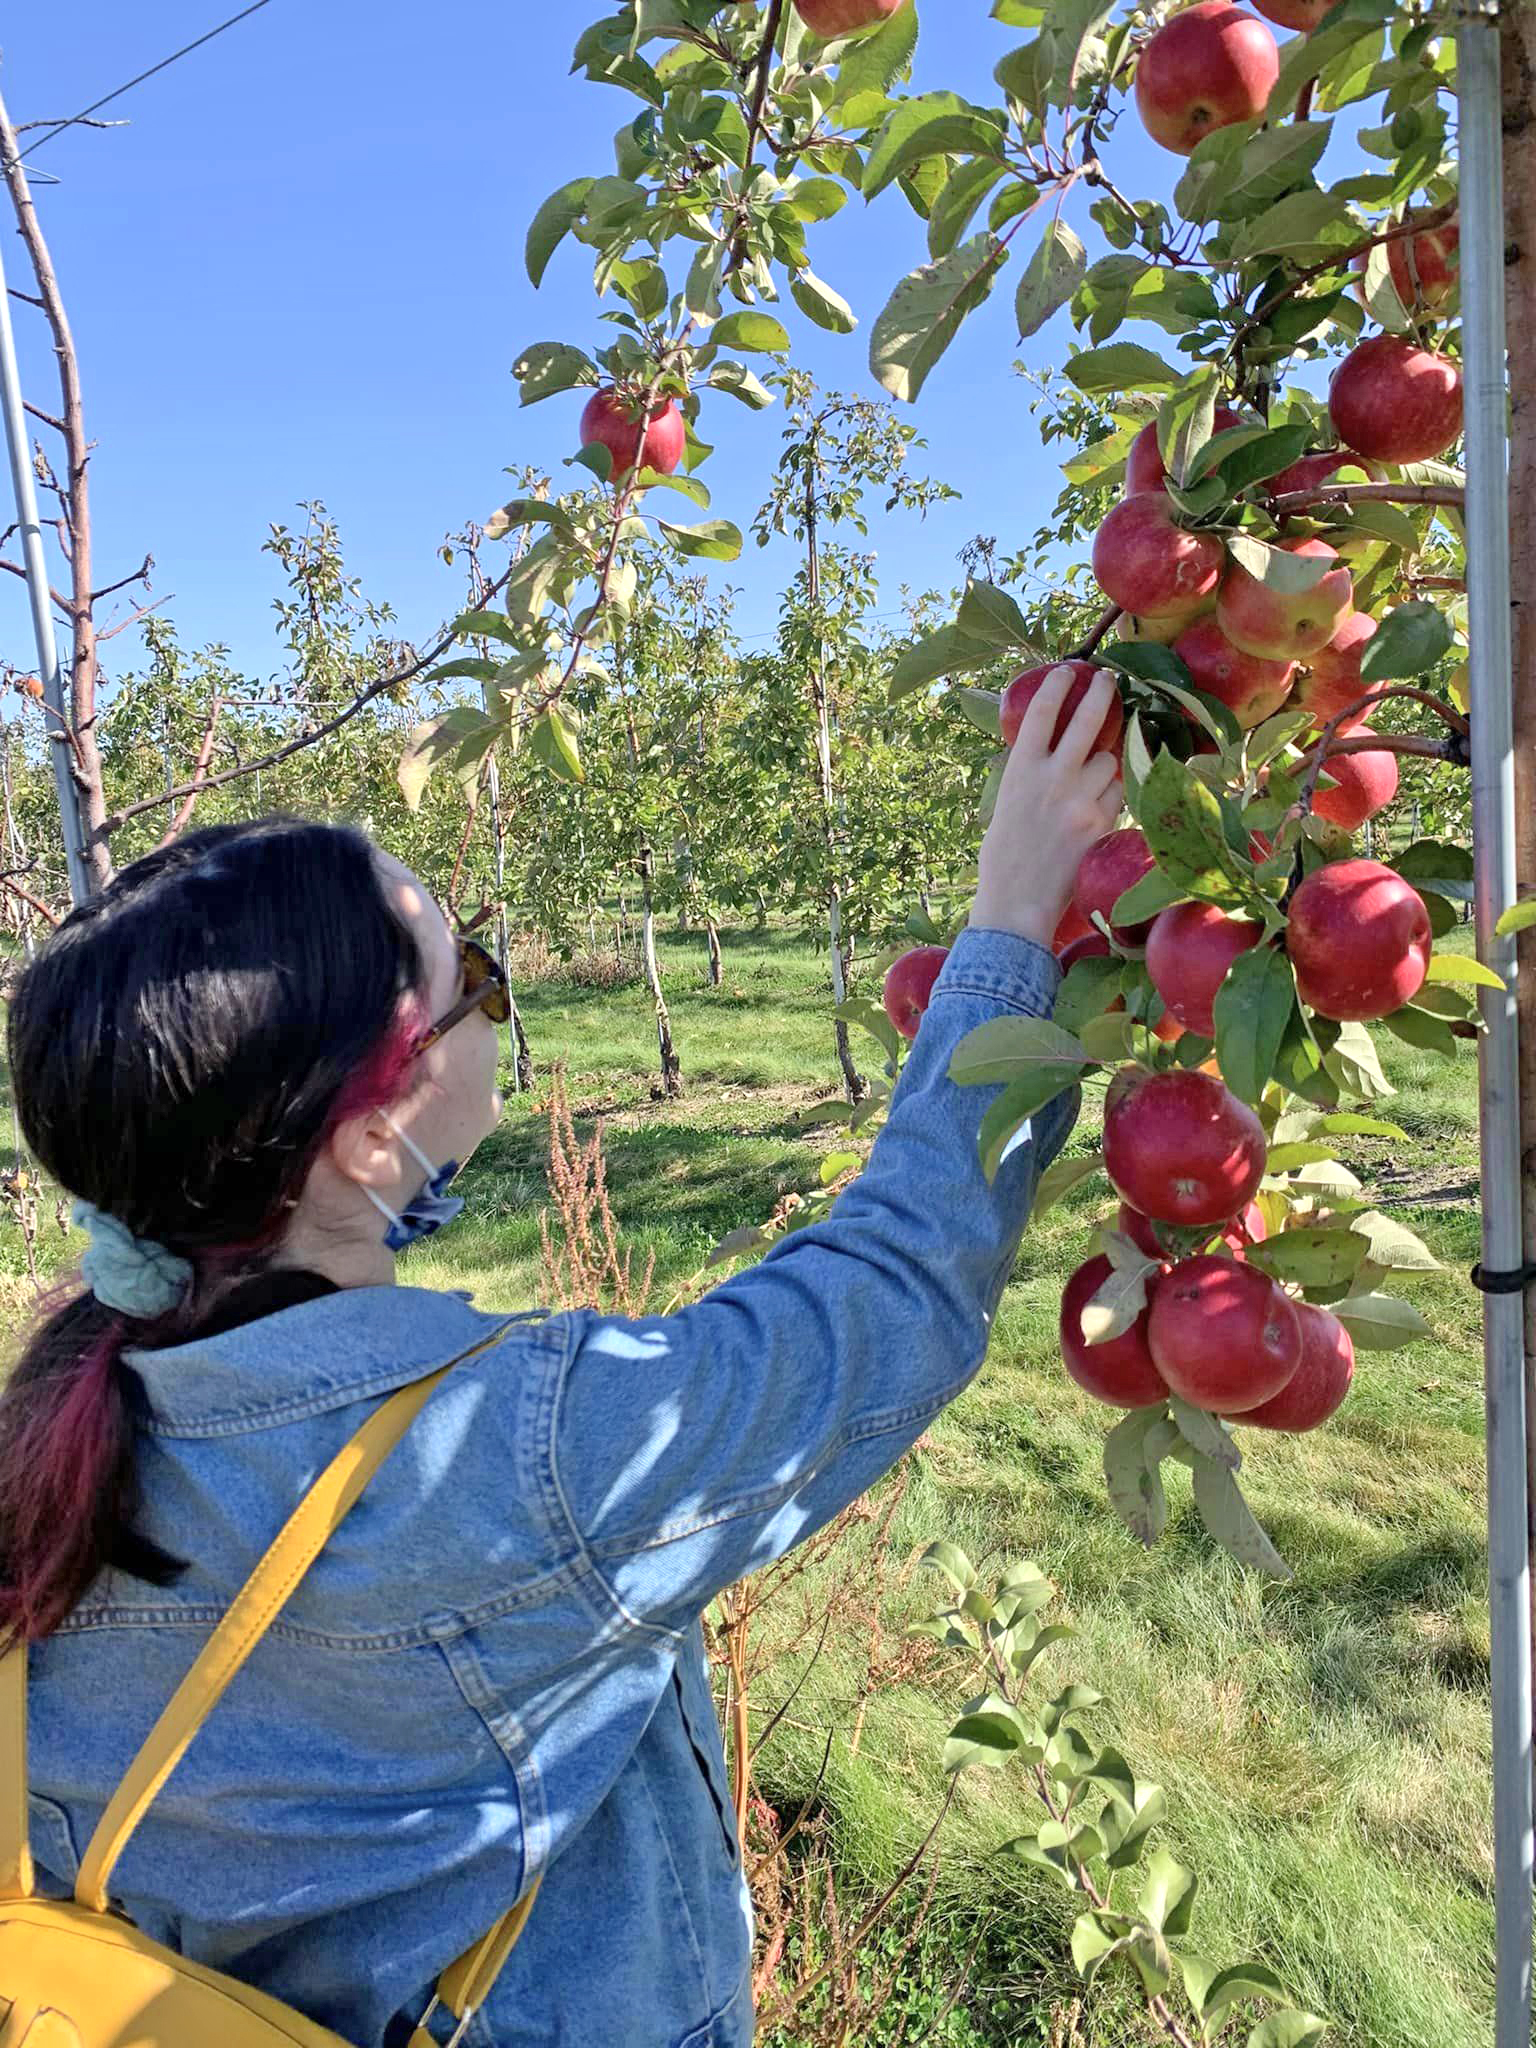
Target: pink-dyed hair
{"points": [[65, 1464]]}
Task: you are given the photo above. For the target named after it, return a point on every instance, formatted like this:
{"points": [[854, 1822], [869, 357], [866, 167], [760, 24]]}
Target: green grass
{"points": [[1324, 1744]]}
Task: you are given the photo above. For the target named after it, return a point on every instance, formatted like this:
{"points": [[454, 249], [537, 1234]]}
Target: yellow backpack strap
{"points": [[15, 1849]]}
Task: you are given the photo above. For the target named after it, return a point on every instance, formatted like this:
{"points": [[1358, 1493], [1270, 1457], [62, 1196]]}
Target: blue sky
{"points": [[298, 273]]}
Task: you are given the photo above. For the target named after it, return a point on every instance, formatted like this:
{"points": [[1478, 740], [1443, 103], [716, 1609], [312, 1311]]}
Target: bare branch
{"points": [[138, 576], [141, 611], [179, 823], [16, 569], [1102, 625], [1369, 494], [47, 418], [31, 901]]}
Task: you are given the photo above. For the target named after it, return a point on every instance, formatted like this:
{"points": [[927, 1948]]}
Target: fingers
{"points": [[1034, 741], [1081, 736], [1101, 776]]}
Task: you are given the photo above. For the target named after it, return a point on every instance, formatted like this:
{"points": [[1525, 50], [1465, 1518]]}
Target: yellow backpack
{"points": [[77, 1974]]}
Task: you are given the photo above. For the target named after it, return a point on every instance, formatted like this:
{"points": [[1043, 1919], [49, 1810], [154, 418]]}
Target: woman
{"points": [[256, 1063]]}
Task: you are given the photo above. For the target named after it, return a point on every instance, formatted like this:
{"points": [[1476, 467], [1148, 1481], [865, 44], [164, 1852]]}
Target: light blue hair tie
{"points": [[133, 1275]]}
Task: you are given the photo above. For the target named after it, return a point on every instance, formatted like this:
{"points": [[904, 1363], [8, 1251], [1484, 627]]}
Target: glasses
{"points": [[484, 988]]}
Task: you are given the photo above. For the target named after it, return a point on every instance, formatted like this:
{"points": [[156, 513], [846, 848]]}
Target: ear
{"points": [[365, 1151]]}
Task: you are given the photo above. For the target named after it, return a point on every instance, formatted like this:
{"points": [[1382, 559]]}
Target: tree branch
{"points": [[179, 823], [122, 583], [31, 901], [47, 418], [1369, 494], [141, 611], [1105, 620], [359, 703], [59, 599]]}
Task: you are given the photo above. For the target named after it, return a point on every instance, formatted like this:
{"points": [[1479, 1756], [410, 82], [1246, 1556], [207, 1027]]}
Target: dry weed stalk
{"points": [[583, 1265]]}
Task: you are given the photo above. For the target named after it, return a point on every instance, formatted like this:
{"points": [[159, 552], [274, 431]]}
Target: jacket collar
{"points": [[305, 1359]]}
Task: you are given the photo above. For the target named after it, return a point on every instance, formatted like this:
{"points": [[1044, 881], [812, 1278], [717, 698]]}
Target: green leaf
{"points": [[1226, 1514], [1007, 1117], [1356, 1064], [1347, 1126], [1312, 1257], [876, 62], [1052, 276], [1433, 864], [715, 540], [753, 332], [1182, 822], [1091, 986], [939, 654], [738, 381], [1287, 575], [1461, 967], [1144, 899], [1426, 1033], [1060, 1178], [1168, 1894], [933, 124], [955, 208], [525, 512], [991, 1735], [1288, 2029], [1185, 423], [982, 708], [552, 223], [550, 367], [1392, 1244], [1091, 1944], [553, 741], [1380, 1322], [1253, 1011], [1260, 456], [1242, 1980], [1518, 918], [822, 305], [1301, 226], [1123, 366], [1125, 1829], [1251, 171], [432, 742], [1409, 640], [952, 1561], [1205, 1434], [926, 312], [1116, 1304], [1010, 1048], [1135, 1484]]}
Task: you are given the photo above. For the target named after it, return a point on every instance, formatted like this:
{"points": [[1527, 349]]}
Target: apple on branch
{"points": [[1252, 688], [620, 424], [1364, 784], [1119, 1371], [1021, 691], [1359, 938], [830, 19], [1396, 401], [1144, 469], [909, 986], [1333, 681], [1223, 1335], [1180, 1147], [1112, 865], [1148, 564], [1317, 1388], [1286, 625], [1189, 950], [1206, 68], [1242, 1231], [1424, 267]]}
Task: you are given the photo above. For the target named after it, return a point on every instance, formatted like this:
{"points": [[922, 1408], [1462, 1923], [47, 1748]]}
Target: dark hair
{"points": [[180, 1049]]}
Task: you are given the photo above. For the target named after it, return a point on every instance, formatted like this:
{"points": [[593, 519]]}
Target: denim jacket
{"points": [[497, 1669]]}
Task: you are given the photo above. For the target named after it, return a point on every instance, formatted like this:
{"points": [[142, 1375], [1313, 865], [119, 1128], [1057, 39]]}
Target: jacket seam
{"points": [[489, 1707]]}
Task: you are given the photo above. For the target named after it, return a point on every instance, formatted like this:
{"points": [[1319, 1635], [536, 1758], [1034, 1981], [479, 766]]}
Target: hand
{"points": [[1053, 804]]}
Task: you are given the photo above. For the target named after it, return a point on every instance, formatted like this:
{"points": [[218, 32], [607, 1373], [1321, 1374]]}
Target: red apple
{"points": [[1112, 865], [1223, 1335], [1144, 470], [1366, 783], [1423, 267], [1180, 1147], [829, 18], [1206, 68], [1396, 401], [1317, 1388], [1091, 946], [1277, 627], [1147, 564], [1249, 1228], [1021, 691], [1119, 1372], [1314, 472], [611, 421], [1302, 15], [1250, 687], [1073, 926], [1333, 683], [1359, 938], [909, 985], [1189, 949]]}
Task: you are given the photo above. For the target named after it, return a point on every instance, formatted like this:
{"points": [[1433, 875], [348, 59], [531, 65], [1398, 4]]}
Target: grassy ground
{"points": [[1323, 1744]]}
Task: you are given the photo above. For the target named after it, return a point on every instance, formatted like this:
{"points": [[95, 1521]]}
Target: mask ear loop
{"points": [[395, 1221]]}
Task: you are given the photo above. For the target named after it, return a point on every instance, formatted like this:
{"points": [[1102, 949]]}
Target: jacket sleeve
{"points": [[692, 1449]]}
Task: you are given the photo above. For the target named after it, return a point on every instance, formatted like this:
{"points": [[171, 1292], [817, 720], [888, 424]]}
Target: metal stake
{"points": [[1493, 808]]}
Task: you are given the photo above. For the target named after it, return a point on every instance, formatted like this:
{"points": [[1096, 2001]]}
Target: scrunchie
{"points": [[133, 1275]]}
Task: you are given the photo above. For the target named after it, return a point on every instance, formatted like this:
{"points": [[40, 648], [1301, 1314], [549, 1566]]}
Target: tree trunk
{"points": [[671, 1066], [716, 966], [853, 1080], [1517, 34], [522, 1058]]}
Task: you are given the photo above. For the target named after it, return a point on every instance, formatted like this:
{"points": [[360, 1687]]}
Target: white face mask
{"points": [[428, 1211]]}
